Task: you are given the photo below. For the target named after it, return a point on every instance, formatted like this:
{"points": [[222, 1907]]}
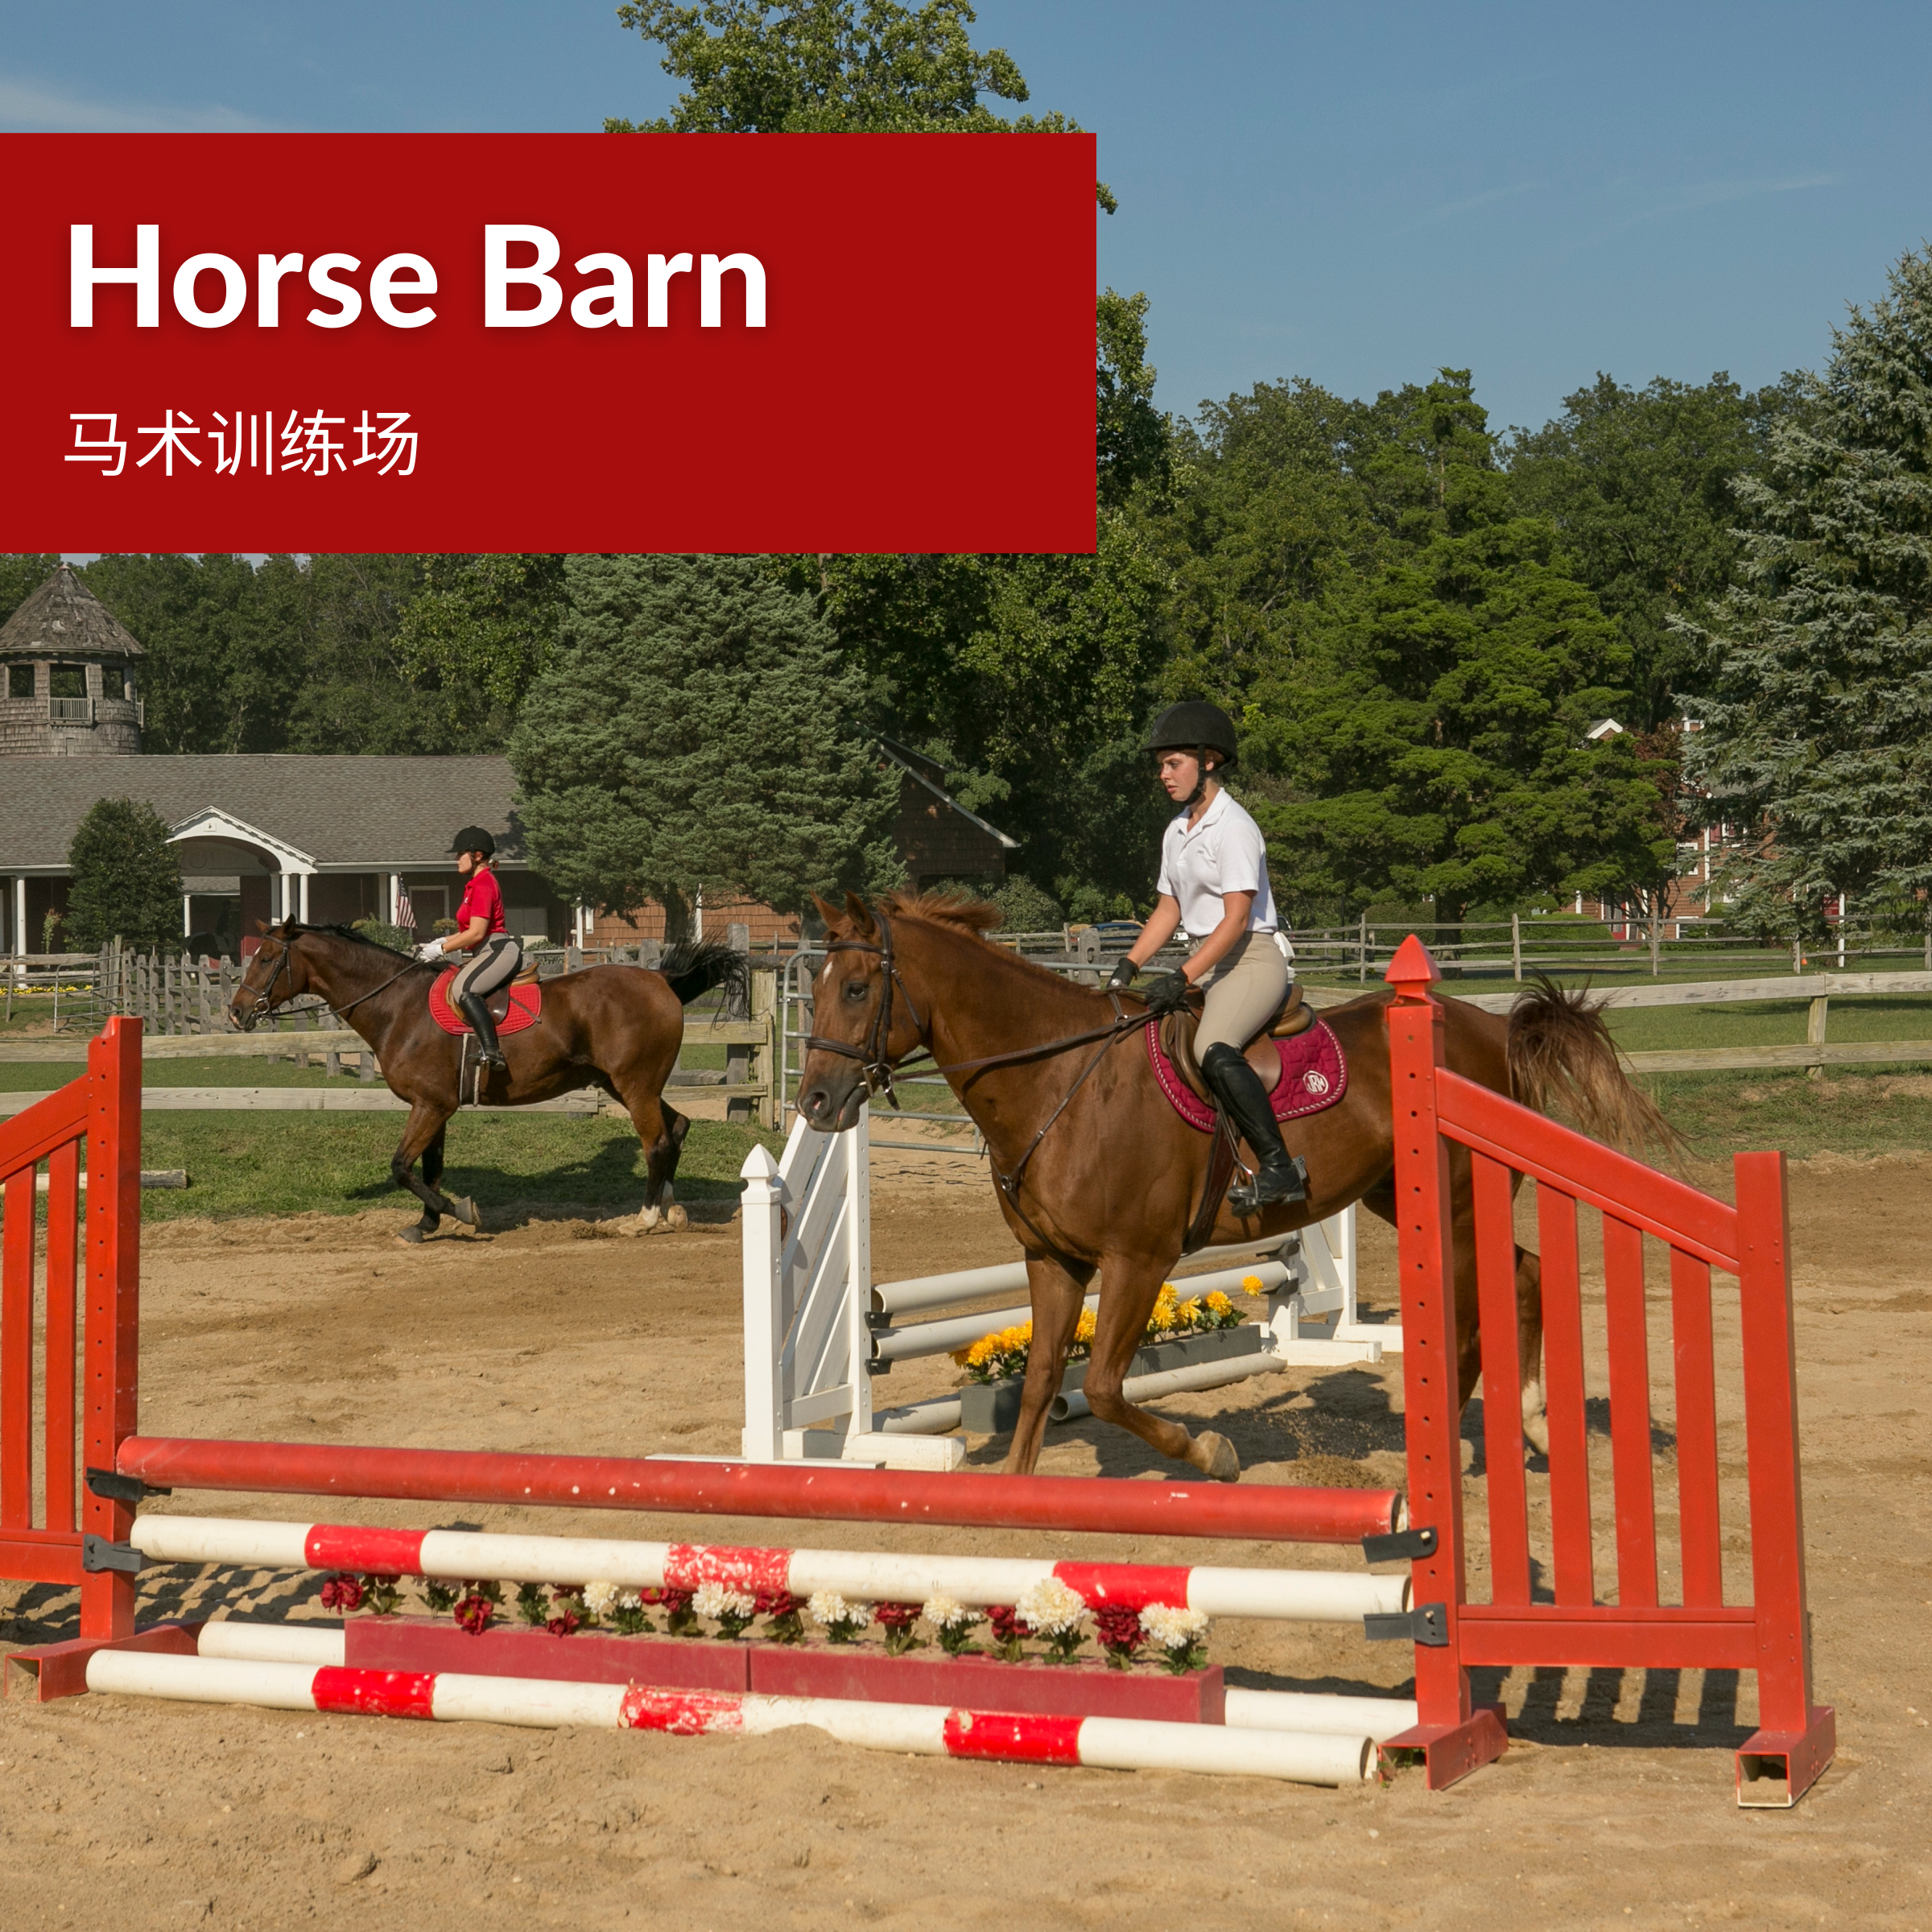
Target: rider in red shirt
{"points": [[494, 956]]}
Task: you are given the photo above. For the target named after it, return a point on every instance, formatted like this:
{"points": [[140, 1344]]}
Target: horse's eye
{"points": [[854, 989]]}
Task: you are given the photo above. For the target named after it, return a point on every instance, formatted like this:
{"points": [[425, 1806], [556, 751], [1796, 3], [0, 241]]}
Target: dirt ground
{"points": [[1613, 1807]]}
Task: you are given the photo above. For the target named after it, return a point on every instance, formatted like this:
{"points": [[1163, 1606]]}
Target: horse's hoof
{"points": [[648, 1221], [675, 1219], [412, 1235], [1215, 1457], [464, 1211]]}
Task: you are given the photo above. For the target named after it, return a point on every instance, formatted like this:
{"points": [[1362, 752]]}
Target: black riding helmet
{"points": [[1195, 726], [473, 838]]}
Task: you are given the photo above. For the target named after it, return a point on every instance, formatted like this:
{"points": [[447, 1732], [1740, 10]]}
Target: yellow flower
{"points": [[1220, 1304], [1085, 1329], [1251, 1284]]}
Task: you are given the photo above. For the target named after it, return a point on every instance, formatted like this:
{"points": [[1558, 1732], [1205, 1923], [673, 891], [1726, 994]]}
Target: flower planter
{"points": [[993, 1408], [1086, 1688]]}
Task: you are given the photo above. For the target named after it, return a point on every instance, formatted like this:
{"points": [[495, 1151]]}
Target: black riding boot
{"points": [[1280, 1177], [476, 1009]]}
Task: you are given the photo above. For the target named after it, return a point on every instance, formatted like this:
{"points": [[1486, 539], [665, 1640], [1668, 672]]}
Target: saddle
{"points": [[513, 1007], [1304, 1055]]}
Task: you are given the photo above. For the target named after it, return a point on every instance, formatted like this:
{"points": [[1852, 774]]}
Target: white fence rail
{"points": [[818, 1328]]}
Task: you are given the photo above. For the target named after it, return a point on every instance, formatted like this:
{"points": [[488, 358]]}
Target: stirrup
{"points": [[1285, 1187]]}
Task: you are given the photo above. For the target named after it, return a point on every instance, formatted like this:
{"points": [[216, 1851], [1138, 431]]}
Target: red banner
{"points": [[478, 342]]}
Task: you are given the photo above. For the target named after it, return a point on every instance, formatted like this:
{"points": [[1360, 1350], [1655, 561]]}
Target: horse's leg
{"points": [[461, 1207], [1529, 1347], [1128, 1290], [1057, 1297], [661, 1129], [424, 1130]]}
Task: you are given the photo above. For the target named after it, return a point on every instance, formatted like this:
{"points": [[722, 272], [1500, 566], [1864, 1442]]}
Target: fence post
{"points": [[1655, 934], [1453, 1735], [1515, 945], [111, 1338], [762, 1211], [1814, 1031], [1361, 972], [1795, 1738], [764, 1006]]}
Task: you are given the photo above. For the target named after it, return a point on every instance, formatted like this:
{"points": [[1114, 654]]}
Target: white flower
{"points": [[943, 1613], [600, 1599], [718, 1600], [827, 1608], [1051, 1606], [1173, 1628]]}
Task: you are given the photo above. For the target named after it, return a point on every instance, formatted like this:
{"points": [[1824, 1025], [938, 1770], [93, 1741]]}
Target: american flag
{"points": [[405, 916]]}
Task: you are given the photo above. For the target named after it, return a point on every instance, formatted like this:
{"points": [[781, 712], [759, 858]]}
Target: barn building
{"points": [[329, 838]]}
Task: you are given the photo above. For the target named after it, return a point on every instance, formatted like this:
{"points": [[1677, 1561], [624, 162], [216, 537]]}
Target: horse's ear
{"points": [[261, 927], [831, 915], [861, 915]]}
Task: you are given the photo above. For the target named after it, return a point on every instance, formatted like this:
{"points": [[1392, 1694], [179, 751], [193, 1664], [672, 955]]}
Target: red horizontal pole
{"points": [[32, 1136], [1609, 1639], [1262, 1512], [40, 1556]]}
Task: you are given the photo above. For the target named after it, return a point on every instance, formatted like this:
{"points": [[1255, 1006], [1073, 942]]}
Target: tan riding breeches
{"points": [[1245, 991]]}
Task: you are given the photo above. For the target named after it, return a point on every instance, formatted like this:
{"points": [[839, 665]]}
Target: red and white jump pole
{"points": [[927, 1730], [872, 1576], [815, 1491]]}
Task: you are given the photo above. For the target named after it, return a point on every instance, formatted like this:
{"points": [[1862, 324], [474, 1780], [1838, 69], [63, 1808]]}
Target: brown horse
{"points": [[1098, 1173], [616, 1027]]}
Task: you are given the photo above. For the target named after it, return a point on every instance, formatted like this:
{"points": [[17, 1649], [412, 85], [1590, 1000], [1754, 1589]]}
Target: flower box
{"points": [[993, 1408], [1084, 1688]]}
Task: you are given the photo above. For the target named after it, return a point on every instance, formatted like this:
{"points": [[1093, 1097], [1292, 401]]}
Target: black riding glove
{"points": [[1168, 991], [1122, 976]]}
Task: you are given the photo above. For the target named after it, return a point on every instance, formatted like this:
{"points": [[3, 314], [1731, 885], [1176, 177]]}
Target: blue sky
{"points": [[1355, 193]]}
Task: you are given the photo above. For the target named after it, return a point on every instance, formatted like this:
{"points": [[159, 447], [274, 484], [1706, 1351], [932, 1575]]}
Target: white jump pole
{"points": [[926, 1730], [1297, 1596]]}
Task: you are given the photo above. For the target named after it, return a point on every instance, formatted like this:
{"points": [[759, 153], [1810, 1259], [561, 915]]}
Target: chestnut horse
{"points": [[1098, 1173], [616, 1027]]}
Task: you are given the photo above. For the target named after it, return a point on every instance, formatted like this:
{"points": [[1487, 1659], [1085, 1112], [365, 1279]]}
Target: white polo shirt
{"points": [[1224, 852]]}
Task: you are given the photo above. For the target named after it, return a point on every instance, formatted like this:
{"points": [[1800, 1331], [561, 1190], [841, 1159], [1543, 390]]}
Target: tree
{"points": [[698, 727], [125, 879], [1132, 438], [21, 574], [1816, 695], [480, 629], [1430, 740], [1642, 486], [843, 67]]}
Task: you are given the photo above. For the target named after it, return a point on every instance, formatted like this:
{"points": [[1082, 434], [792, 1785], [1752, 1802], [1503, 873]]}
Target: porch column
{"points": [[20, 915], [395, 898], [187, 915], [302, 891]]}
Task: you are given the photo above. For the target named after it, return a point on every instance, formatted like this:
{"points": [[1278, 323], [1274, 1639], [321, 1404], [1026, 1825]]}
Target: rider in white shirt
{"points": [[1214, 886]]}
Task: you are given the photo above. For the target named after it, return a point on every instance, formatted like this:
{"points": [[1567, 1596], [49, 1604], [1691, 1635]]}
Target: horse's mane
{"points": [[967, 920], [295, 929]]}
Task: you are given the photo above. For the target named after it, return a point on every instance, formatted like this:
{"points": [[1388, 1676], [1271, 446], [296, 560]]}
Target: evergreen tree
{"points": [[1817, 701], [126, 879], [698, 727], [1430, 740]]}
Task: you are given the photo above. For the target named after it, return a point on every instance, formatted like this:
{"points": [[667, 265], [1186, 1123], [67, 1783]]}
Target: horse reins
{"points": [[876, 1064], [264, 1004]]}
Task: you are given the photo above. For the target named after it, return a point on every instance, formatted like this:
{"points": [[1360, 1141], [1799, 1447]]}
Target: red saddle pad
{"points": [[1314, 1076], [525, 1006]]}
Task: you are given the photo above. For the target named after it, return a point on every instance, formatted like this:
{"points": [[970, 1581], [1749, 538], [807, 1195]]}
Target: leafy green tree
{"points": [[480, 629], [1816, 701], [21, 574], [698, 727], [125, 879], [1429, 740], [830, 67], [1133, 440], [1642, 486]]}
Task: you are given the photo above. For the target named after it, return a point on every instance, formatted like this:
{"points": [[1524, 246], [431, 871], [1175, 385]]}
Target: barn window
{"points": [[67, 681], [20, 680]]}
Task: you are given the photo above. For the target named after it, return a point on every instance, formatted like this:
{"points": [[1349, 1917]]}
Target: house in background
{"points": [[329, 838]]}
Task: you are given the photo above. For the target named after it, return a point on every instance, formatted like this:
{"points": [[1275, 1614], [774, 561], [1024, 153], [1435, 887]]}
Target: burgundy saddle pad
{"points": [[1314, 1076]]}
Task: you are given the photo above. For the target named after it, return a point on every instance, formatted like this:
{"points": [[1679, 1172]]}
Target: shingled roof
{"points": [[345, 813], [64, 619]]}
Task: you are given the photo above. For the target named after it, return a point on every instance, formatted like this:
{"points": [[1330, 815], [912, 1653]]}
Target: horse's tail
{"points": [[1562, 1058], [693, 967]]}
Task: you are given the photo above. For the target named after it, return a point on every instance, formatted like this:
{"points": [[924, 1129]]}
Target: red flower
{"points": [[896, 1616], [563, 1623], [342, 1593], [473, 1614], [673, 1600], [1118, 1626], [1006, 1621], [777, 1603]]}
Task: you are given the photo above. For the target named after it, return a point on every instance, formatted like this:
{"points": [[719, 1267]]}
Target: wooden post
{"points": [[1814, 1031], [1361, 972], [1656, 927], [1453, 1734], [1515, 945], [758, 1063]]}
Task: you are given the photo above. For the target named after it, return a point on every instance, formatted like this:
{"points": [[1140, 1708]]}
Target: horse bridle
{"points": [[874, 1055], [264, 1004]]}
